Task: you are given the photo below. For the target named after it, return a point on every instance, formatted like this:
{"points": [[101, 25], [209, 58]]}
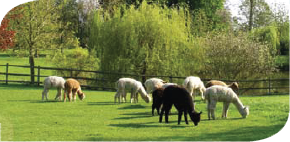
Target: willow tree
{"points": [[148, 40]]}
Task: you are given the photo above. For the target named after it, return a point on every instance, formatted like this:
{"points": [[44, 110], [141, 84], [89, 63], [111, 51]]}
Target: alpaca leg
{"points": [[208, 110], [225, 109], [69, 95], [124, 96], [212, 114], [74, 96], [136, 97], [64, 95], [45, 93], [161, 114], [179, 117], [185, 117], [116, 96], [58, 94], [201, 94], [166, 116], [153, 108], [212, 106]]}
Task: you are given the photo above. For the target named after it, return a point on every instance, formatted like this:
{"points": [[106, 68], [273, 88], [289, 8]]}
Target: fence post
{"points": [[103, 80], [269, 85], [38, 75], [71, 73], [170, 78], [7, 65]]}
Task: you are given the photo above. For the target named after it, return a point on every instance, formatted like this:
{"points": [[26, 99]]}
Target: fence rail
{"points": [[103, 81]]}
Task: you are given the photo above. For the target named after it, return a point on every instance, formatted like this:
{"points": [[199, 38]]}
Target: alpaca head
{"points": [[195, 117], [81, 95], [234, 86], [245, 112]]}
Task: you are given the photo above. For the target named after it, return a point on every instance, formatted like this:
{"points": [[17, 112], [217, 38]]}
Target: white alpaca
{"points": [[152, 84], [165, 85], [226, 95], [134, 86], [193, 83], [53, 81]]}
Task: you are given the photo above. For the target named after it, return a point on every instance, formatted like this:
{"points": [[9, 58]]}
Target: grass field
{"points": [[24, 117]]}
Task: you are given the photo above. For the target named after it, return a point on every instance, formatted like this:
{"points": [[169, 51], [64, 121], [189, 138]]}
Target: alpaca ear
{"points": [[200, 112]]}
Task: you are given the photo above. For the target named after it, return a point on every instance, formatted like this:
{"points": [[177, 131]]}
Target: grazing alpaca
{"points": [[181, 99], [226, 95], [157, 100], [72, 87], [152, 84], [193, 83], [167, 84], [233, 85], [134, 86], [53, 81]]}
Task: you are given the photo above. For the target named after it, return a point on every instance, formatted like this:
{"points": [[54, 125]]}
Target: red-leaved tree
{"points": [[6, 34]]}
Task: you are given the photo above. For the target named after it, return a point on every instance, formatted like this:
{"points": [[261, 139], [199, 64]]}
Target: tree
{"points": [[7, 35], [235, 56], [37, 28], [146, 41], [255, 13]]}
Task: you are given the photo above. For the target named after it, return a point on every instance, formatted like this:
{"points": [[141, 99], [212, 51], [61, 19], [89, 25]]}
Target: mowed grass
{"points": [[24, 117]]}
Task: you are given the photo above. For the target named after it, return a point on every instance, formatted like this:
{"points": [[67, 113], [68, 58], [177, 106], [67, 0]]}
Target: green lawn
{"points": [[24, 117]]}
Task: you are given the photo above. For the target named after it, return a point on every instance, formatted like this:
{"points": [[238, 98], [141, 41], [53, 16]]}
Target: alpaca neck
{"points": [[142, 92], [239, 105]]}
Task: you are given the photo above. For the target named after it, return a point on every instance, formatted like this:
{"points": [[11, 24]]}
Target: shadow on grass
{"points": [[252, 133], [101, 103], [34, 101], [137, 106], [243, 134], [150, 125]]}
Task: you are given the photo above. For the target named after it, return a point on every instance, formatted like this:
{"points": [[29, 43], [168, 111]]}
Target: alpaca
{"points": [[233, 85], [193, 83], [134, 86], [157, 100], [53, 81], [72, 87], [226, 95], [181, 99], [167, 84], [152, 84]]}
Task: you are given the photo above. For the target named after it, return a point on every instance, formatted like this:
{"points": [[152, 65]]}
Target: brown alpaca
{"points": [[72, 87], [233, 85]]}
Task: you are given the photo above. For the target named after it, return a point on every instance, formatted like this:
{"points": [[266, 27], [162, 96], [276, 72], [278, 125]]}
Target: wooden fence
{"points": [[98, 80]]}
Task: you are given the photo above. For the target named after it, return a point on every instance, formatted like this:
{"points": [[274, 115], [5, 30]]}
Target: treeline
{"points": [[158, 37]]}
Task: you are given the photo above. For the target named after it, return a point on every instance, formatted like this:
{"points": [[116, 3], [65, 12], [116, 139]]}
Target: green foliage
{"points": [[77, 58], [232, 56], [284, 38], [261, 14], [149, 40], [269, 35]]}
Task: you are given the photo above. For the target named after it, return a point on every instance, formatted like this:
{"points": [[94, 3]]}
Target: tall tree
{"points": [[147, 41], [37, 28], [255, 13]]}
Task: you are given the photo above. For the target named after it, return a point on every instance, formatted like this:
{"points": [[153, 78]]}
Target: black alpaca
{"points": [[157, 100], [181, 99]]}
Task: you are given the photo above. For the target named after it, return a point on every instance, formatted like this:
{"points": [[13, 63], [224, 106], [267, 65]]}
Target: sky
{"points": [[282, 136], [235, 5]]}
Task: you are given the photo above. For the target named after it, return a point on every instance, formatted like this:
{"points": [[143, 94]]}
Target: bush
{"points": [[78, 58], [230, 56]]}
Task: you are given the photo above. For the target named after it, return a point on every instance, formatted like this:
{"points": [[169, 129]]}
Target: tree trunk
{"points": [[31, 62], [251, 15], [144, 69]]}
